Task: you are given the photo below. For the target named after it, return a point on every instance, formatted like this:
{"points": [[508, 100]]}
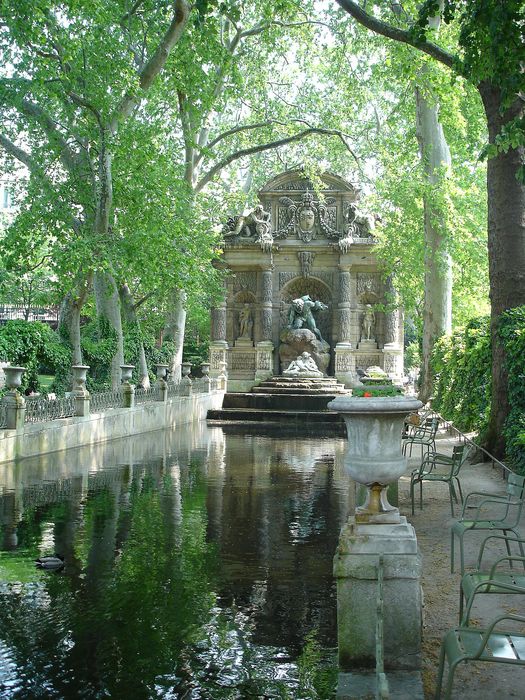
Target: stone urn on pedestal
{"points": [[377, 535], [13, 401]]}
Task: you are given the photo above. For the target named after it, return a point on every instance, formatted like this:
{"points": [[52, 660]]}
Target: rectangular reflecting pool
{"points": [[196, 565]]}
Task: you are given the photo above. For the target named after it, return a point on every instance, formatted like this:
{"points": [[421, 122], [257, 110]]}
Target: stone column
{"points": [[266, 304], [393, 346], [218, 345], [344, 357]]}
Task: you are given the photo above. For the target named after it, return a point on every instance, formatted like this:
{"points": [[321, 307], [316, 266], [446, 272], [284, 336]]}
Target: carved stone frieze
{"points": [[344, 362], [216, 358], [306, 218], [264, 360], [364, 361], [242, 360], [368, 282], [245, 281], [306, 260]]}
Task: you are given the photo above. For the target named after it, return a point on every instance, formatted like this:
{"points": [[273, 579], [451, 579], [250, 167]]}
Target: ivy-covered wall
{"points": [[462, 389]]}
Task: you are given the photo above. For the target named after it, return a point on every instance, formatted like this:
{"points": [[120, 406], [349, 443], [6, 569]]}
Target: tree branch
{"points": [[387, 30], [19, 154], [242, 153], [155, 64]]}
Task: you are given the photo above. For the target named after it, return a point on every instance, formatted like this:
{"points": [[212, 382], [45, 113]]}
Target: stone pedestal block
{"points": [[81, 403], [264, 360], [356, 572], [15, 407], [345, 365], [128, 395], [218, 350]]}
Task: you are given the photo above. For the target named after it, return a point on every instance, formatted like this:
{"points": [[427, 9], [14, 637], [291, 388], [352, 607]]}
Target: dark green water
{"points": [[197, 565]]}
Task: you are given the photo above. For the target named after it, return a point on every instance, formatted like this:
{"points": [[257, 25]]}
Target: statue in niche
{"points": [[245, 323], [301, 314], [368, 323], [304, 365]]}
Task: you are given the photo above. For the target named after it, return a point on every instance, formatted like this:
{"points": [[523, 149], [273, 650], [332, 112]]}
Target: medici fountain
{"points": [[295, 258], [306, 315]]}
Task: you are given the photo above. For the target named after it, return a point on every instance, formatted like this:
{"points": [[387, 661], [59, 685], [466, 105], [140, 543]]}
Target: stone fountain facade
{"points": [[296, 245]]}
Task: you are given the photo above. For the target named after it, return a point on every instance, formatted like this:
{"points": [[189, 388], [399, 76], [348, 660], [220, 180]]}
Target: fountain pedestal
{"points": [[373, 458], [356, 572]]}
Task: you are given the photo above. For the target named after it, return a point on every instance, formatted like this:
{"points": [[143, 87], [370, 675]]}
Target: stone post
{"points": [[128, 389], [266, 304], [186, 384], [162, 385], [205, 369], [223, 377], [377, 531], [13, 401], [80, 391]]}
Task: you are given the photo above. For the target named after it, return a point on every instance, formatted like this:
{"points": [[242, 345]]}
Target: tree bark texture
{"points": [[69, 325], [506, 244], [129, 315], [174, 330], [437, 308], [108, 310]]}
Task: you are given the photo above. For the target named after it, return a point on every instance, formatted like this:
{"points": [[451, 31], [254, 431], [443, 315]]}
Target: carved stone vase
{"points": [[186, 369], [79, 377], [161, 371], [126, 372], [205, 369], [373, 453], [13, 377]]}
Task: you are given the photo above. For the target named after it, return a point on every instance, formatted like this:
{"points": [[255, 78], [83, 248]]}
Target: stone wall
{"points": [[43, 438]]}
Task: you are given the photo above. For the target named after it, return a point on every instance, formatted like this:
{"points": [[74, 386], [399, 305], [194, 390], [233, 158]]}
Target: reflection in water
{"points": [[197, 566]]}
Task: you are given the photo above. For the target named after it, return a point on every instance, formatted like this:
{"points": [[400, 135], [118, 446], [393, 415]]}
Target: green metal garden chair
{"points": [[423, 435], [496, 580], [431, 469], [511, 505], [464, 644]]}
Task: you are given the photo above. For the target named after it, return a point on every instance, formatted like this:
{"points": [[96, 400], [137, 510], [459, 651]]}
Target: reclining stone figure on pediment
{"points": [[253, 226]]}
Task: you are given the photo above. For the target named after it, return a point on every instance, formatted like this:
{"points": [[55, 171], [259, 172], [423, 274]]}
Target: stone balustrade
{"points": [[17, 410]]}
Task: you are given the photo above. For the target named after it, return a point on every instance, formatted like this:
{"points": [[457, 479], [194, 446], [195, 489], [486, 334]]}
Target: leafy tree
{"points": [[489, 55]]}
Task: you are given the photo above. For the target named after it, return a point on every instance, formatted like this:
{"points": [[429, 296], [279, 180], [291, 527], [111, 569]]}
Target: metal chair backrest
{"points": [[516, 487], [458, 457]]}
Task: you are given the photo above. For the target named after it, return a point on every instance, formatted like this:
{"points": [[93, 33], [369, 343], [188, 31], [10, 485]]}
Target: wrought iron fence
{"points": [[174, 389], [146, 395], [40, 408], [100, 401]]}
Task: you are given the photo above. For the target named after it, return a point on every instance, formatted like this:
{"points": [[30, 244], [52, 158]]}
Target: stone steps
{"points": [[279, 401], [284, 403], [275, 417]]}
